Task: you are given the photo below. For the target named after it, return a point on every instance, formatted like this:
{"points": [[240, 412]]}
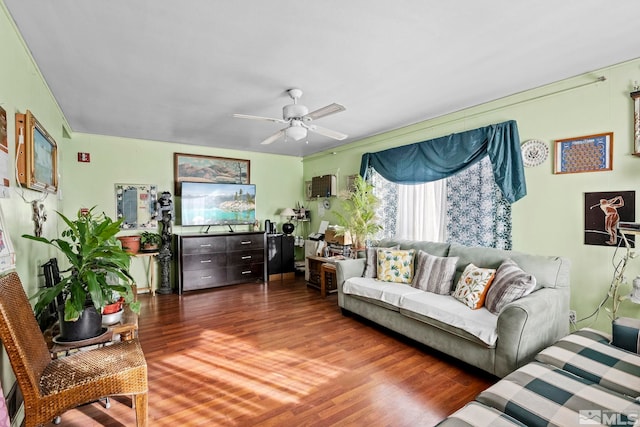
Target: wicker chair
{"points": [[51, 387]]}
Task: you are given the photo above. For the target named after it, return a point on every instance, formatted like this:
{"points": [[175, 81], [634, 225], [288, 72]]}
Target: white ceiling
{"points": [[177, 70]]}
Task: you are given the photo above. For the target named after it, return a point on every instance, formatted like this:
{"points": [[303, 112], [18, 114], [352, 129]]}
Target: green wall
{"points": [[550, 219], [134, 161]]}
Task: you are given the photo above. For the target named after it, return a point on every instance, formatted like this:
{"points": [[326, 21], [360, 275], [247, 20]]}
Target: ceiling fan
{"points": [[299, 119]]}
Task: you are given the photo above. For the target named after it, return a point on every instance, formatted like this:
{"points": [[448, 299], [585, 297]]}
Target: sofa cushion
{"points": [[387, 292], [540, 395], [395, 265], [473, 285], [444, 308], [434, 274], [510, 283], [549, 271], [587, 353], [371, 265]]}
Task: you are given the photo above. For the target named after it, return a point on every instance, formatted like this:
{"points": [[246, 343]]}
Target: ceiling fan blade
{"points": [[273, 137], [328, 132], [324, 111], [268, 119]]}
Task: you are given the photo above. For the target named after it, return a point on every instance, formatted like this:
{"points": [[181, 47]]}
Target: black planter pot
{"points": [[89, 325]]}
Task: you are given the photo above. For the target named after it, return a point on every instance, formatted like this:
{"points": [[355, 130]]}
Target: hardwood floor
{"points": [[278, 355]]}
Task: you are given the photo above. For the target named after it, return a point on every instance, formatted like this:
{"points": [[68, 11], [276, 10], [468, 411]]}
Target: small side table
{"points": [[125, 330], [328, 282], [151, 266], [322, 273]]}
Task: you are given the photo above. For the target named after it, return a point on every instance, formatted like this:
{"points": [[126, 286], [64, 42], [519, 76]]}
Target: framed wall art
{"points": [[635, 95], [603, 211], [199, 168], [36, 155], [5, 163], [307, 190], [138, 205], [591, 153]]}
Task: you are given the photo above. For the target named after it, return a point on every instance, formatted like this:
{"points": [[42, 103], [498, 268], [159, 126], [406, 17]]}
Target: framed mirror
{"points": [[137, 204]]}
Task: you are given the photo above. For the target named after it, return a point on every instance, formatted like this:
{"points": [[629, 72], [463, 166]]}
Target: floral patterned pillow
{"points": [[473, 285], [395, 265]]}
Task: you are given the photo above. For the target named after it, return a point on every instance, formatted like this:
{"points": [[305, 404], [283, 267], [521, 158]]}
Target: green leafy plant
{"points": [[358, 214], [94, 254], [148, 238]]}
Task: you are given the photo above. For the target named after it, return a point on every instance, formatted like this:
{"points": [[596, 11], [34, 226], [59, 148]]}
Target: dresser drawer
{"points": [[204, 261], [245, 257], [245, 273], [201, 279], [245, 242], [205, 244]]}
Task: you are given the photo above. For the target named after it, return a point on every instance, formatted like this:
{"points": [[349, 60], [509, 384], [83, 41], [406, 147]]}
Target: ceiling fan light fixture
{"points": [[295, 132]]}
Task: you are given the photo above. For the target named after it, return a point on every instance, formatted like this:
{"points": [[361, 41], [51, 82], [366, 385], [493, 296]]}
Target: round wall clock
{"points": [[534, 152]]}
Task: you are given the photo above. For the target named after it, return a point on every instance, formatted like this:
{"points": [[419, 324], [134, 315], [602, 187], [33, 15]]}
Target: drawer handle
{"points": [[247, 257], [246, 272], [204, 261], [205, 277], [208, 245], [245, 242]]}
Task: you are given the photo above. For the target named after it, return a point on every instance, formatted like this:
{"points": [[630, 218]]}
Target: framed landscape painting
{"points": [[199, 168]]}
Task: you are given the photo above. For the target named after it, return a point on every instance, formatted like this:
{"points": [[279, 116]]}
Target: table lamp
{"points": [[287, 227]]}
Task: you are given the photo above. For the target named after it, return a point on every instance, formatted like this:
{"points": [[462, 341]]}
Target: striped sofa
{"points": [[579, 380]]}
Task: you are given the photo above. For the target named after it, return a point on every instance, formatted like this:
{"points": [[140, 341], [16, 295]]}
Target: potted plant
{"points": [[358, 214], [131, 244], [99, 267], [150, 241]]}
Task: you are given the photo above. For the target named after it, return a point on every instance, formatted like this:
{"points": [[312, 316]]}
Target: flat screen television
{"points": [[205, 204]]}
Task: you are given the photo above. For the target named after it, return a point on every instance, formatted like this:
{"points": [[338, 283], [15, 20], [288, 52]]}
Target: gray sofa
{"points": [[523, 327]]}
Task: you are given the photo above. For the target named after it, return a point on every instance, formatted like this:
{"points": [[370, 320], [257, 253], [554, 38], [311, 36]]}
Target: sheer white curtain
{"points": [[417, 212], [422, 211]]}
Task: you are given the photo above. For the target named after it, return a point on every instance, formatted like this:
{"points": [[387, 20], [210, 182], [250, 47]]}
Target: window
{"points": [[466, 208]]}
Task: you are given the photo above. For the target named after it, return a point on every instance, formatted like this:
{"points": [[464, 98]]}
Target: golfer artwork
{"points": [[603, 212]]}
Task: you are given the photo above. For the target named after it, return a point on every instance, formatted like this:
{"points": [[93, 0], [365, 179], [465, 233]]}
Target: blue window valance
{"points": [[439, 158]]}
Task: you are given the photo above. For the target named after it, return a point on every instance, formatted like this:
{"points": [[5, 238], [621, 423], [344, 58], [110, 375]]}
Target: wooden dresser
{"points": [[211, 260]]}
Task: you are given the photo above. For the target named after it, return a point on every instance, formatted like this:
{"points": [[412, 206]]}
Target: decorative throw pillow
{"points": [[395, 265], [434, 274], [473, 285], [371, 266], [511, 283]]}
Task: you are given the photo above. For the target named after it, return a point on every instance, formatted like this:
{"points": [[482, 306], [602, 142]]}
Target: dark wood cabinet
{"points": [[211, 260], [281, 256], [322, 274]]}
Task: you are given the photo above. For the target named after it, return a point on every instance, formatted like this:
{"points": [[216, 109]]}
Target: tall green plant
{"points": [[90, 245], [358, 214]]}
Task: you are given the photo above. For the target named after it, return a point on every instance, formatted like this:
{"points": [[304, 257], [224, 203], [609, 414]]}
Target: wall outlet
{"points": [[572, 317]]}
